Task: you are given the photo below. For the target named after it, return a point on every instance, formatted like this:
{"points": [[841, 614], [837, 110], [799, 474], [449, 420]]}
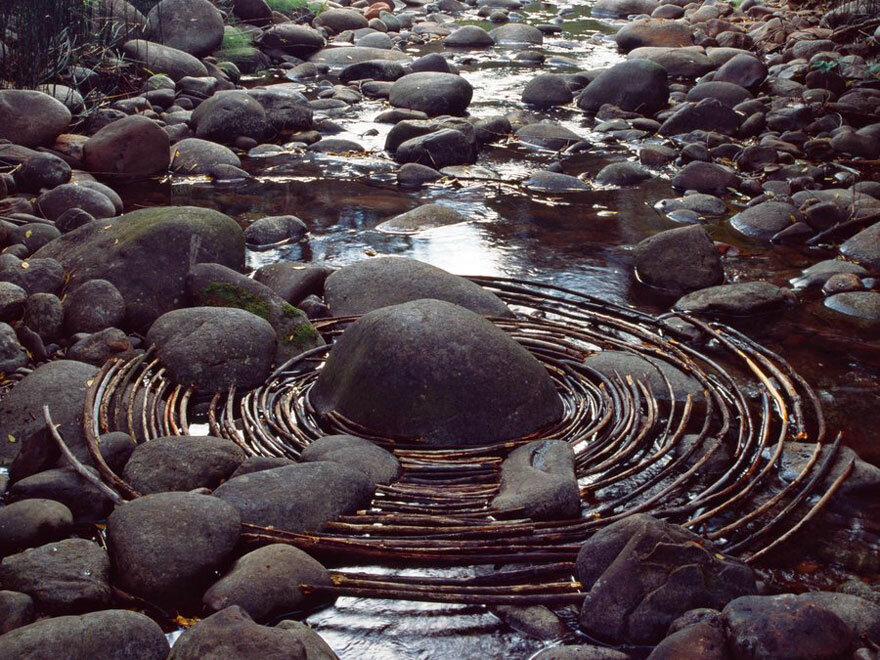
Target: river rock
{"points": [[704, 205], [286, 109], [701, 641], [30, 118], [622, 8], [16, 610], [727, 93], [554, 182], [678, 62], [229, 115], [63, 577], [421, 218], [744, 70], [61, 385], [56, 202], [653, 372], [764, 220], [146, 255], [300, 497], [86, 502], [214, 348], [655, 32], [738, 299], [29, 523], [181, 463], [12, 354], [214, 285], [633, 85], [581, 652], [641, 573], [168, 544], [274, 230], [861, 305], [260, 463], [338, 57], [540, 479], [680, 259], [339, 20], [99, 347], [131, 635], [41, 171], [546, 90], [316, 648], [164, 59], [708, 178], [383, 281], [864, 247], [380, 465], [861, 615], [231, 633], [34, 275], [12, 299], [193, 26], [93, 306], [44, 315], [432, 93], [783, 626], [381, 70], [195, 156], [518, 33], [293, 281], [438, 149], [267, 581], [469, 36], [548, 136], [705, 115], [293, 39], [624, 173], [493, 403]]}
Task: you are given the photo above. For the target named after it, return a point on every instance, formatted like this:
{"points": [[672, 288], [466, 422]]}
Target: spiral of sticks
{"points": [[710, 459]]}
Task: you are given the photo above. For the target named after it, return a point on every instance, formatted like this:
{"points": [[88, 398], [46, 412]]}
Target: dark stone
{"points": [[293, 39], [681, 259], [31, 119], [744, 70], [286, 109], [624, 173], [193, 26], [274, 230], [535, 621], [41, 171], [653, 32], [383, 70], [297, 498], [554, 182], [391, 371], [85, 501], [706, 178], [316, 648], [861, 615], [195, 156], [701, 641], [16, 610], [427, 216], [339, 20], [181, 463], [260, 463], [44, 315], [228, 115], [231, 633], [706, 115], [764, 220], [133, 146], [548, 135], [438, 149], [783, 627], [146, 255], [634, 85], [169, 544], [12, 354], [727, 93], [164, 59], [540, 479], [12, 300], [68, 576], [652, 371], [214, 347], [469, 36], [267, 581], [738, 299], [34, 275], [130, 635], [98, 347], [93, 306], [34, 522], [581, 651], [432, 93], [380, 465], [54, 203], [62, 386], [641, 573], [291, 281], [864, 247]]}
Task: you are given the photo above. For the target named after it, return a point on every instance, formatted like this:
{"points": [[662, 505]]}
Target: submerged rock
{"points": [[421, 218], [429, 369]]}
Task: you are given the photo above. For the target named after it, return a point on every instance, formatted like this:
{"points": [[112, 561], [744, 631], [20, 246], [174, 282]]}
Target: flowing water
{"points": [[582, 241]]}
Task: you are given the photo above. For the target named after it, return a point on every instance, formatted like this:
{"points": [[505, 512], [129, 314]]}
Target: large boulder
{"points": [[147, 253], [169, 544], [432, 92], [164, 59], [783, 626], [181, 463], [31, 119], [374, 283], [298, 498], [681, 259], [641, 573], [65, 577], [539, 478], [117, 634], [267, 581], [635, 85], [193, 26], [133, 146], [231, 633], [214, 348], [61, 385], [433, 370]]}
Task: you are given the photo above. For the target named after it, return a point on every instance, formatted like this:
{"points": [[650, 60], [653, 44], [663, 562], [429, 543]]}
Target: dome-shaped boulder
{"points": [[433, 370]]}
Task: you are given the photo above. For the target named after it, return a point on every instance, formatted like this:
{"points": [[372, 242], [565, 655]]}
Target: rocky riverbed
{"points": [[167, 251]]}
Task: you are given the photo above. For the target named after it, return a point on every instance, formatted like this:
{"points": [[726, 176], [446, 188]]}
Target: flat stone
{"points": [[738, 299]]}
